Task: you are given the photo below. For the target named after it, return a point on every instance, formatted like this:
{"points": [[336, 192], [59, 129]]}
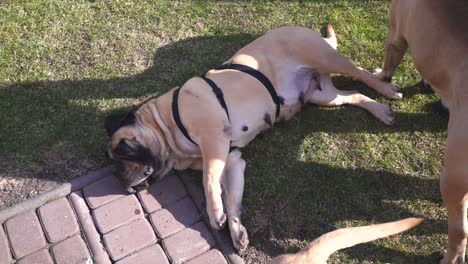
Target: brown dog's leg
{"points": [[457, 232], [215, 151], [395, 48], [233, 188], [329, 95], [454, 188]]}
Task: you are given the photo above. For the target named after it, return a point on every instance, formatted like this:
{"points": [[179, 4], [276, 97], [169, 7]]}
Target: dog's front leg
{"points": [[233, 188], [214, 153], [395, 47]]}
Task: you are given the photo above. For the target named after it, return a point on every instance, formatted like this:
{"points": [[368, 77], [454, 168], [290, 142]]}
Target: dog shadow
{"points": [[297, 199]]}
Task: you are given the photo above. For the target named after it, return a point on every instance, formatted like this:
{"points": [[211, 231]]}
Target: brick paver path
{"points": [[101, 223]]}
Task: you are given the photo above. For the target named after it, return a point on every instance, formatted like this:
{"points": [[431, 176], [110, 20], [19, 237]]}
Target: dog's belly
{"points": [[248, 120], [255, 115]]}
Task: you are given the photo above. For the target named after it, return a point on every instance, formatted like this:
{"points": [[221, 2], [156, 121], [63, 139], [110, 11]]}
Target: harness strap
{"points": [[175, 106], [219, 94], [260, 77], [176, 115]]}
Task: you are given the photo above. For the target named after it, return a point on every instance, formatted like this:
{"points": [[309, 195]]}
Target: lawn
{"points": [[65, 65]]}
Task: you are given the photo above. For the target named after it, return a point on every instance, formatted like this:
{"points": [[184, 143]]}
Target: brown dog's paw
{"points": [[443, 255]]}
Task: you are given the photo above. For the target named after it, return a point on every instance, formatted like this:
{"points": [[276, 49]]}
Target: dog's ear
{"points": [[114, 122]]}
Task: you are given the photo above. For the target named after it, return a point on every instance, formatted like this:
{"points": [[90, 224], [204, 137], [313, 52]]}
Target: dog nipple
{"points": [[245, 128], [267, 119]]}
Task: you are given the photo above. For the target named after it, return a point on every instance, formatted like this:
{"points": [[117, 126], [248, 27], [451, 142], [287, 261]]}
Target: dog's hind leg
{"points": [[328, 95], [454, 189], [331, 37], [331, 61], [233, 188]]}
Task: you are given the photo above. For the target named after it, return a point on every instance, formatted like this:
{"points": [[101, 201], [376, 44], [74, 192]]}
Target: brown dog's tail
{"points": [[331, 37], [322, 247]]}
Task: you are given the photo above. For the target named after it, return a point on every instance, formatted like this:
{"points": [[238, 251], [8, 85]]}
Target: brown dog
{"points": [[196, 125], [436, 31], [321, 248]]}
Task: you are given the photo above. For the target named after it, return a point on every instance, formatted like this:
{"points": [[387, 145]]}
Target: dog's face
{"points": [[130, 148]]}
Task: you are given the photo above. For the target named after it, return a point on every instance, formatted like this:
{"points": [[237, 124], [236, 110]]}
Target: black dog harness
{"points": [[219, 94]]}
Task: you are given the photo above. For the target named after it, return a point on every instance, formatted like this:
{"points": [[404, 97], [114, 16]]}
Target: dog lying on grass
{"points": [[203, 124]]}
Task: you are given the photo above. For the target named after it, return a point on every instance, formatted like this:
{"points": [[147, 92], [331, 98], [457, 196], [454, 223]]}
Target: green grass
{"points": [[65, 65]]}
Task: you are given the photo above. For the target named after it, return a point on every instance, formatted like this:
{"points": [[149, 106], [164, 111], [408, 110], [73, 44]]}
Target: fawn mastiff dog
{"points": [[321, 248], [202, 124], [437, 33]]}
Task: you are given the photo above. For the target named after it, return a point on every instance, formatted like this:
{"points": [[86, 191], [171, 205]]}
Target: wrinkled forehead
{"points": [[127, 132]]}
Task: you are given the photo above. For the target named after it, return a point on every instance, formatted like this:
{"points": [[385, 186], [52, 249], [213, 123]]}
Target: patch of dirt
{"points": [[19, 183], [17, 188], [262, 250]]}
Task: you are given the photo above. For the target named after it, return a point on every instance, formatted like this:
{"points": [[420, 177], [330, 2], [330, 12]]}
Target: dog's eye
{"points": [[148, 170]]}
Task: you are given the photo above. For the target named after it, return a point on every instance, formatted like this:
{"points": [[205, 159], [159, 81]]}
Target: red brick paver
{"points": [[59, 220], [100, 223], [39, 257], [99, 253], [176, 217], [117, 213], [71, 250], [159, 194], [213, 256], [129, 238], [103, 191], [4, 248], [188, 243], [25, 234], [149, 255]]}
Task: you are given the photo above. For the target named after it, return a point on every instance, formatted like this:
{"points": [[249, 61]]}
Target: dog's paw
{"points": [[217, 220], [378, 73], [442, 254], [130, 190], [385, 114], [240, 238], [444, 258], [393, 91]]}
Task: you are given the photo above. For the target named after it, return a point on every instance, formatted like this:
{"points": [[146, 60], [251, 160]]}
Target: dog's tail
{"points": [[331, 37], [321, 248], [348, 237]]}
